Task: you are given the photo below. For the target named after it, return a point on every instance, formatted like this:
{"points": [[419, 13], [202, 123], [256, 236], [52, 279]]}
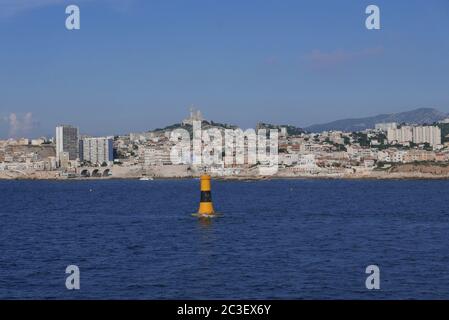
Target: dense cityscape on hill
{"points": [[415, 145]]}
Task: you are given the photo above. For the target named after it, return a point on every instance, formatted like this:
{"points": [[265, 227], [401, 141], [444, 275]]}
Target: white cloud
{"points": [[20, 125]]}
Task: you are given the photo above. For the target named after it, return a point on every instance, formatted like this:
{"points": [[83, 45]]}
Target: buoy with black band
{"points": [[206, 208]]}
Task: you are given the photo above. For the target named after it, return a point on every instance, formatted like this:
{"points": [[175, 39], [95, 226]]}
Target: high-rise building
{"points": [[416, 134], [67, 140], [97, 150], [427, 134], [401, 135]]}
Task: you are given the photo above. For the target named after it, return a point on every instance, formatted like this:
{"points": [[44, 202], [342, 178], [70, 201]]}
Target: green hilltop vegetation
{"points": [[291, 130], [204, 125]]}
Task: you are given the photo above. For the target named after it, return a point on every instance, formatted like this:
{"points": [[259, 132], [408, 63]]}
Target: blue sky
{"points": [[139, 64]]}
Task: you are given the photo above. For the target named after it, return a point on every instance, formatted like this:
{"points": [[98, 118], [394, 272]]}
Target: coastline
{"points": [[385, 176], [411, 171]]}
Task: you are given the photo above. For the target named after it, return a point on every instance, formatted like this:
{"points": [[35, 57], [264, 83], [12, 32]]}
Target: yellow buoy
{"points": [[206, 206]]}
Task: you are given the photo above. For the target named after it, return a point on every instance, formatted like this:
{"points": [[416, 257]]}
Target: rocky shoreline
{"points": [[413, 171], [366, 176]]}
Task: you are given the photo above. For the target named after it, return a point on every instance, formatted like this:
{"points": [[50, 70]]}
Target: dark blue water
{"points": [[276, 239]]}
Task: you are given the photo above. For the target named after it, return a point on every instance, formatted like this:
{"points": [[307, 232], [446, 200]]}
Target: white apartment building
{"points": [[401, 135], [153, 157], [427, 134], [416, 134], [97, 150]]}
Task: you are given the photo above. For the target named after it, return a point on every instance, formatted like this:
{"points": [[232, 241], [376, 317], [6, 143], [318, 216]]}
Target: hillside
{"points": [[417, 116]]}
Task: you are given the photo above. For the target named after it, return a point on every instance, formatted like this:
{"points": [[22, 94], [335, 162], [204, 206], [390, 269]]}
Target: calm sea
{"points": [[295, 239]]}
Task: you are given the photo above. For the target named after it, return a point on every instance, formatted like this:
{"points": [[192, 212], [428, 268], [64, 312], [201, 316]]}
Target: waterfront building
{"points": [[97, 150], [64, 160], [156, 156], [67, 140]]}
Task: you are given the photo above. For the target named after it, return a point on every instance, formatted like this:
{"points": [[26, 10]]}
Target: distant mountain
{"points": [[418, 116]]}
